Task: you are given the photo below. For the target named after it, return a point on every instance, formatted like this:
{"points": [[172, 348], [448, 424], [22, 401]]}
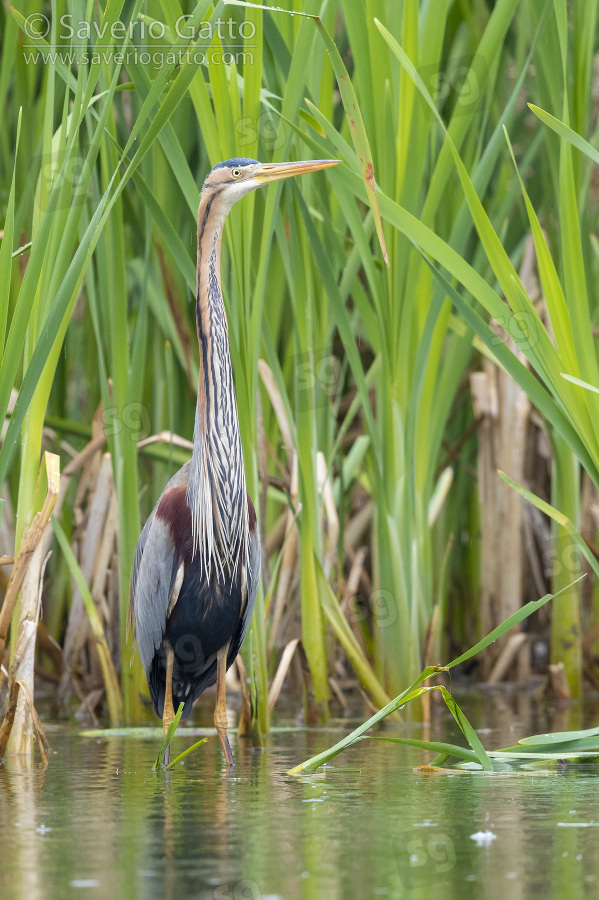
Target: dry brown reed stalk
{"points": [[504, 411], [29, 543], [108, 672], [14, 396], [95, 539], [289, 562], [559, 686], [7, 724], [339, 695], [82, 458], [357, 526], [89, 702], [278, 406], [27, 579], [78, 625], [282, 669], [510, 651], [22, 666], [32, 579], [102, 563], [166, 437]]}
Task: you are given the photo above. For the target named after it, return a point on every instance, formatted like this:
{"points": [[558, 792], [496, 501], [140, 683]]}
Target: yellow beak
{"points": [[269, 172]]}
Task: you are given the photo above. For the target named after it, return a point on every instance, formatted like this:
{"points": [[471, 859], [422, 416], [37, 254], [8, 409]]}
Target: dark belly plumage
{"points": [[205, 617]]}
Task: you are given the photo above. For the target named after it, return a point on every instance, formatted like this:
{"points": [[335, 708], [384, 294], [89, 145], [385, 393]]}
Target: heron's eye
{"points": [[235, 173]]}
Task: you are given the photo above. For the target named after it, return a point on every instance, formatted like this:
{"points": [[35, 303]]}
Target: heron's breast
{"points": [[206, 615]]}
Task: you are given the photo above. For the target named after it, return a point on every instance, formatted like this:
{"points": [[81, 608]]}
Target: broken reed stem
{"points": [[28, 545], [30, 541], [26, 578], [9, 718], [22, 664]]}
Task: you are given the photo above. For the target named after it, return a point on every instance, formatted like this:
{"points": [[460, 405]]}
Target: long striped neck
{"points": [[216, 490]]}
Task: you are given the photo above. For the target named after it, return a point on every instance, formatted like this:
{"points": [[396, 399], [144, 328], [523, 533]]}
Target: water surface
{"points": [[99, 822]]}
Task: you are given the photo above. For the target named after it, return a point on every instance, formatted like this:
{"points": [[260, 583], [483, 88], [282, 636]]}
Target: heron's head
{"points": [[229, 181]]}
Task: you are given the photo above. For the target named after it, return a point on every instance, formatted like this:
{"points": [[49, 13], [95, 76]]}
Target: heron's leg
{"points": [[169, 713], [220, 712]]}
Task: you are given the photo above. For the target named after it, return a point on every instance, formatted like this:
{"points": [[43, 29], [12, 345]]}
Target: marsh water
{"points": [[99, 822]]}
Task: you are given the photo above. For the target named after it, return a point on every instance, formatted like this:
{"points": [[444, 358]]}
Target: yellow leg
{"points": [[169, 713], [220, 712]]}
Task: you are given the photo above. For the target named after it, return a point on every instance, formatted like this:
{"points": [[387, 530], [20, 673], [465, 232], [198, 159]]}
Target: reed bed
{"points": [[400, 328]]}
